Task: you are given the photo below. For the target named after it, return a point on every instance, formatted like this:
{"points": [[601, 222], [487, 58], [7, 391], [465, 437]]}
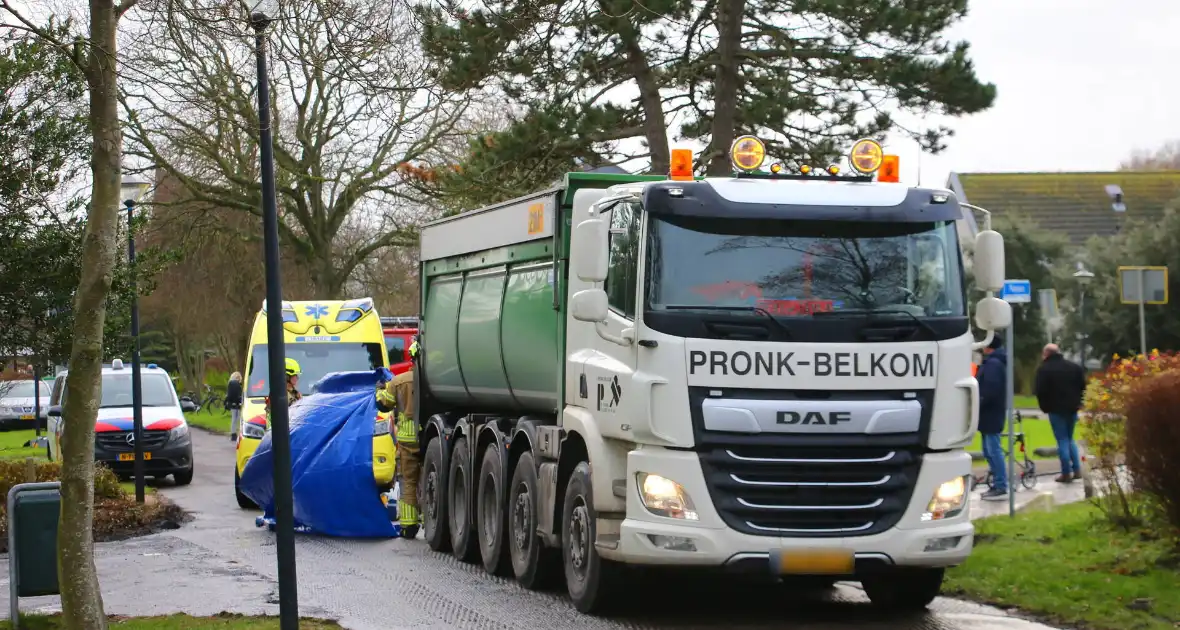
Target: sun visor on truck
{"points": [[331, 461], [759, 198]]}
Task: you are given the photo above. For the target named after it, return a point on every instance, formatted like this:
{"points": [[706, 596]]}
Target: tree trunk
{"points": [[729, 29], [81, 598], [655, 130]]}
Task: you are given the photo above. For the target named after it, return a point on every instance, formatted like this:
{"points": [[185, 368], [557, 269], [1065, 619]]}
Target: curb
{"points": [[208, 430]]}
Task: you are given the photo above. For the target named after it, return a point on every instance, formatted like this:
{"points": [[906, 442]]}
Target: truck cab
{"points": [[399, 334], [768, 372]]}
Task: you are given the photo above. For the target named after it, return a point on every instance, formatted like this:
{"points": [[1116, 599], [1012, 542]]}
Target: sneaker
{"points": [[994, 494], [1066, 478]]}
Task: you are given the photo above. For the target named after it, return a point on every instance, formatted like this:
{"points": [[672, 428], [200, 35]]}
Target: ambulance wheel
{"points": [[489, 514], [592, 582], [903, 590], [533, 564], [432, 488], [464, 544], [244, 501]]}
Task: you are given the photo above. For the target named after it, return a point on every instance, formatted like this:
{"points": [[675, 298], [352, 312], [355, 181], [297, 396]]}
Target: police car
{"points": [[167, 444]]}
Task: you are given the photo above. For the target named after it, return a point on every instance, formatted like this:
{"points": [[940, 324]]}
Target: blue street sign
{"points": [[1017, 291]]}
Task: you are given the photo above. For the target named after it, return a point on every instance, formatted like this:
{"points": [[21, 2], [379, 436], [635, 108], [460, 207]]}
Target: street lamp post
{"points": [[133, 190], [1083, 277], [279, 420]]}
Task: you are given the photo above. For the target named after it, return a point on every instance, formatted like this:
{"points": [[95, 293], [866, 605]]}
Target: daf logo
{"points": [[131, 439], [814, 417]]}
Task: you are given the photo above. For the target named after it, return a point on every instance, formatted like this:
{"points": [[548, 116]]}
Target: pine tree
{"points": [[813, 76]]}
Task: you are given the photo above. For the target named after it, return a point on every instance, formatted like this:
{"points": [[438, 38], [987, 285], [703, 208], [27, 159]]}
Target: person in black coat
{"points": [[233, 402], [993, 407], [1061, 385]]}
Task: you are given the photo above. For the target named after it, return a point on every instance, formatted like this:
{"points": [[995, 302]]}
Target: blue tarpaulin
{"points": [[331, 460]]}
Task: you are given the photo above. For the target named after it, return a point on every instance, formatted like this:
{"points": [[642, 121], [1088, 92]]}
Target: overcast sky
{"points": [[1081, 84]]}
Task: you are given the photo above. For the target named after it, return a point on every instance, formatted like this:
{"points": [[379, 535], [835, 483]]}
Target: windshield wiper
{"points": [[872, 311], [737, 309]]}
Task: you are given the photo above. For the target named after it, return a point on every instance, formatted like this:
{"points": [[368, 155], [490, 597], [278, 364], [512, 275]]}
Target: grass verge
{"points": [[1037, 434], [223, 621], [217, 421], [1069, 567], [12, 445]]}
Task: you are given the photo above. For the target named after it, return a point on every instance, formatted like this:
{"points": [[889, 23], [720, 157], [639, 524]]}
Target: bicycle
{"points": [[212, 398], [1026, 465]]}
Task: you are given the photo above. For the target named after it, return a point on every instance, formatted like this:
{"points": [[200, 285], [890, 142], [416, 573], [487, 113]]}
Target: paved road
{"points": [[220, 561]]}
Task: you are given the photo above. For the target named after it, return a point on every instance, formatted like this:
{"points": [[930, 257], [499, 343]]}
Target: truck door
{"points": [[610, 370]]}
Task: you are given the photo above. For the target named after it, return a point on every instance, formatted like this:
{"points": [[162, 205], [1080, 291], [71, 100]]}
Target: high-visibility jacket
{"points": [[398, 395]]}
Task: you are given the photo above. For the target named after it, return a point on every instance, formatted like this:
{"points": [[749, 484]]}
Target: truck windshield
{"points": [[315, 360], [798, 268]]}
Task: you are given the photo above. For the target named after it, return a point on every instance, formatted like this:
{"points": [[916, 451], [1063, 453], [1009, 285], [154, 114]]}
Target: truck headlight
{"points": [[381, 427], [948, 501], [664, 497], [178, 431], [253, 431]]}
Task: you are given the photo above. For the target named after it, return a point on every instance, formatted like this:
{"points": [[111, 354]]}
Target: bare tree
{"points": [[352, 102], [211, 271], [1164, 158], [81, 598]]}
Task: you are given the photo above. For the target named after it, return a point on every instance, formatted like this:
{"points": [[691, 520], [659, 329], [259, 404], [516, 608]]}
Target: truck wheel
{"points": [[432, 487], [592, 581], [244, 501], [489, 514], [533, 564], [903, 590], [464, 545]]}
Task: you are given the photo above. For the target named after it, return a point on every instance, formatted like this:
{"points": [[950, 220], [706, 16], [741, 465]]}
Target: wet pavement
{"points": [[221, 562]]}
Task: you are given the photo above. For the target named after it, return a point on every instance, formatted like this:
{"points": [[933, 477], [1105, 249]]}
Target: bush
{"points": [[116, 514], [1153, 442], [1104, 428]]}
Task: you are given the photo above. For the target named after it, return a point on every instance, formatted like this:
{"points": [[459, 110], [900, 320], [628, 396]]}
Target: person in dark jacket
{"points": [[993, 407], [233, 402], [1061, 384]]}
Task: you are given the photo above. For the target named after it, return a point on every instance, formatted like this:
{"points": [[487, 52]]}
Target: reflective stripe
{"points": [[407, 515], [407, 429]]}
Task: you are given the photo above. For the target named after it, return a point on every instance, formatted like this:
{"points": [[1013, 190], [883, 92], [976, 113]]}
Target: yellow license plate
{"points": [[130, 457], [27, 416], [814, 562]]}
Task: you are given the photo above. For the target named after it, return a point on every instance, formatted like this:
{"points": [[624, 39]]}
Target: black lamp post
{"points": [[134, 189], [276, 354]]}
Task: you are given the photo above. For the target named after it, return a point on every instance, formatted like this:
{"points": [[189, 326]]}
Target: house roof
{"points": [[1074, 204]]}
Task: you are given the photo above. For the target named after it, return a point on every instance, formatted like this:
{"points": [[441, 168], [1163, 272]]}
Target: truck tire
{"points": [[903, 590], [592, 582], [489, 514], [533, 564], [244, 501], [464, 544], [432, 488]]}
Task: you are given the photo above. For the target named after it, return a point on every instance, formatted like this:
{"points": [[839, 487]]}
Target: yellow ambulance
{"points": [[324, 336]]}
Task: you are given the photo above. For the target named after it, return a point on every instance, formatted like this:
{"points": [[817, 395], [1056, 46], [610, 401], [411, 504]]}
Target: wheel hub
{"points": [[522, 508], [579, 537], [430, 493]]}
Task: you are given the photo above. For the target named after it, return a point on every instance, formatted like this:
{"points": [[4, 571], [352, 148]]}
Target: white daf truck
{"points": [[768, 372]]}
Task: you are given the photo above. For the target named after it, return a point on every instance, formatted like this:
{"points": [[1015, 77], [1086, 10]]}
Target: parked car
{"points": [[167, 444], [17, 408]]}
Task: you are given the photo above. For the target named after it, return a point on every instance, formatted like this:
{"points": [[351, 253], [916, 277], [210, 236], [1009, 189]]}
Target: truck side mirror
{"points": [[588, 251], [54, 410], [992, 313], [988, 261], [589, 305]]}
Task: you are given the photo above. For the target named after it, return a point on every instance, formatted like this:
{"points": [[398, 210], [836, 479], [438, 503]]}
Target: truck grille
{"points": [[810, 491], [117, 440]]}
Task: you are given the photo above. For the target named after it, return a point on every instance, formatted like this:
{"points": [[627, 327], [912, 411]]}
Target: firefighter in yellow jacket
{"points": [[398, 395]]}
